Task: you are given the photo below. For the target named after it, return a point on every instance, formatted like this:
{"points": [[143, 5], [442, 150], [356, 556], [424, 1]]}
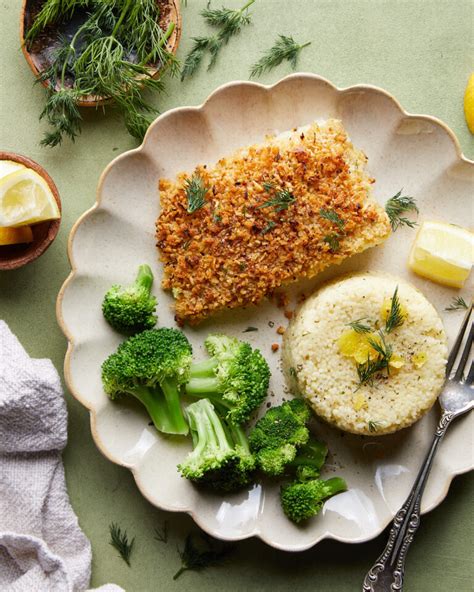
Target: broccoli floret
{"points": [[235, 378], [277, 436], [132, 309], [309, 459], [221, 458], [152, 366], [301, 500]]}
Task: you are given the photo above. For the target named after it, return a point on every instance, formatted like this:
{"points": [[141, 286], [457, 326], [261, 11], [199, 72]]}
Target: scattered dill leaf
{"points": [[457, 303], [398, 205], [196, 191], [285, 48], [373, 425], [229, 22], [333, 241], [161, 534], [250, 329], [369, 370], [119, 540], [200, 552], [359, 327], [333, 217], [292, 372], [395, 317], [268, 186], [280, 201], [270, 226]]}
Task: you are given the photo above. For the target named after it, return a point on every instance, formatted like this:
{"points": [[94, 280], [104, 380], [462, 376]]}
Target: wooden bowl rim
{"points": [[91, 100], [53, 228]]}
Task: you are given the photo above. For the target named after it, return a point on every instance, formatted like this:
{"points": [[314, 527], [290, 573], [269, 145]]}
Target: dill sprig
{"points": [[457, 303], [270, 226], [280, 201], [119, 540], [161, 534], [333, 217], [229, 22], [285, 48], [196, 192], [398, 205], [333, 241], [373, 425], [52, 11], [359, 327], [201, 551], [395, 317], [369, 370]]}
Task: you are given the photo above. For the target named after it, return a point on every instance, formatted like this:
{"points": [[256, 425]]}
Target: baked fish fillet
{"points": [[273, 213]]}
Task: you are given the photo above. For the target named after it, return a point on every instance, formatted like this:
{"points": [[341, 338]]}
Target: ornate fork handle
{"points": [[386, 575]]}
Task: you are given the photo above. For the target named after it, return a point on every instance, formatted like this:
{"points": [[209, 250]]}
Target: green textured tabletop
{"points": [[419, 50]]}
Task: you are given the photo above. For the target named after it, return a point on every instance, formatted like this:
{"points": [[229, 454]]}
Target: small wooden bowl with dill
{"points": [[89, 53]]}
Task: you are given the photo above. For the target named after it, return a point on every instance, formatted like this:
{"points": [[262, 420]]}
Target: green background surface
{"points": [[419, 50]]}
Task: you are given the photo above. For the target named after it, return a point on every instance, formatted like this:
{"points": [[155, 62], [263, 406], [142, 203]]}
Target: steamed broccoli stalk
{"points": [[221, 458], [303, 499], [152, 366], [235, 378], [132, 309], [277, 436], [309, 459]]}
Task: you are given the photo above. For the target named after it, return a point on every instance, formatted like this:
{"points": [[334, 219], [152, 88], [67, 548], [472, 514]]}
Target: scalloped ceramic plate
{"points": [[416, 152]]}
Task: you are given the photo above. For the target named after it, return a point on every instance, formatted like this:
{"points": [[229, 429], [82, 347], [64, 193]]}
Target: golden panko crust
{"points": [[237, 249]]}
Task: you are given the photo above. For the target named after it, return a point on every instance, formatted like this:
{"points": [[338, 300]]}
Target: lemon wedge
{"points": [[8, 166], [26, 198], [443, 253], [15, 236], [469, 103]]}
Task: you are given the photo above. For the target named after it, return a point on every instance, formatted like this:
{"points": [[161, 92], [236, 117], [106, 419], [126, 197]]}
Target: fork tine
{"points": [[465, 354], [470, 376], [457, 344]]}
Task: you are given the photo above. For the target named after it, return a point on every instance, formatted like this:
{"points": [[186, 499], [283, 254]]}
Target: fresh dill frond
{"points": [[119, 540], [280, 201], [270, 226], [229, 22], [196, 192], [333, 241], [373, 425], [51, 12], [457, 303], [395, 317], [381, 347], [200, 552], [161, 534], [359, 327], [285, 48], [268, 186], [333, 217], [369, 370], [398, 205], [63, 115], [197, 53]]}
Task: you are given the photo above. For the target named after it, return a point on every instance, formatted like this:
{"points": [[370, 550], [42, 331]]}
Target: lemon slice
{"points": [[8, 166], [16, 236], [25, 198], [443, 253], [469, 103]]}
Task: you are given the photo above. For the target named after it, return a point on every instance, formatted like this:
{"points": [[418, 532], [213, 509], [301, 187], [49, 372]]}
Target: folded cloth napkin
{"points": [[42, 548]]}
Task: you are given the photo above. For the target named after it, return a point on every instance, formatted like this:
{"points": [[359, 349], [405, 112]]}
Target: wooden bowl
{"points": [[40, 53], [14, 256]]}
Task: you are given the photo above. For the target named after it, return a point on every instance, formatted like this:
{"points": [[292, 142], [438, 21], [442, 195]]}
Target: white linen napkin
{"points": [[42, 548]]}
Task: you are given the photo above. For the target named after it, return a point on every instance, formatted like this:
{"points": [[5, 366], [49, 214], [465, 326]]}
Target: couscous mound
{"points": [[328, 349]]}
